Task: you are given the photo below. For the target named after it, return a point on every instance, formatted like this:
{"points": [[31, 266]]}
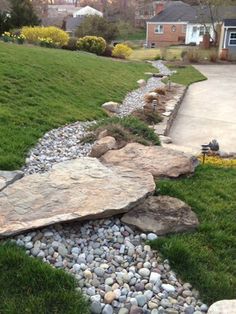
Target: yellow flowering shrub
{"points": [[217, 161], [33, 34], [121, 51], [92, 44]]}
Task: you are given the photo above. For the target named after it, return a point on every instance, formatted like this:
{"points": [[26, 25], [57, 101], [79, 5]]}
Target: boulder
{"points": [[159, 161], [142, 83], [111, 106], [162, 215], [81, 188], [102, 146], [223, 307], [8, 177]]}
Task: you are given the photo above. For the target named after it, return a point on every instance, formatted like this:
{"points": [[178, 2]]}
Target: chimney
{"points": [[159, 7]]}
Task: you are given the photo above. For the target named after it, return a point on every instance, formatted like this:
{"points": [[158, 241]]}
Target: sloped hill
{"points": [[44, 88]]}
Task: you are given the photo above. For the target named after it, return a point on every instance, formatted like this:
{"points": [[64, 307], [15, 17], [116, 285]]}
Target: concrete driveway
{"points": [[208, 111]]}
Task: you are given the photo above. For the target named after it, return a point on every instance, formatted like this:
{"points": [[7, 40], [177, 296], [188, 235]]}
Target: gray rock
{"points": [[107, 309], [62, 250], [9, 177], [144, 272], [99, 271], [141, 299], [96, 307], [151, 236], [162, 215]]}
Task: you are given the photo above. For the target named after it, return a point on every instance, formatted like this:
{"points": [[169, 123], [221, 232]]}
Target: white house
{"points": [[195, 33], [87, 11]]}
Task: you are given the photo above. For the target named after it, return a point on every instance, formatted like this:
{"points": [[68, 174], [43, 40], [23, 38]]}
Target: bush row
{"points": [[54, 37]]}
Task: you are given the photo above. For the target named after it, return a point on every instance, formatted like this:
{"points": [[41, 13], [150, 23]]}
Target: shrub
{"points": [[163, 53], [121, 51], [150, 97], [160, 90], [157, 57], [7, 37], [147, 116], [46, 42], [92, 44], [213, 56], [193, 55], [33, 34], [95, 25], [183, 54], [127, 129], [72, 44]]}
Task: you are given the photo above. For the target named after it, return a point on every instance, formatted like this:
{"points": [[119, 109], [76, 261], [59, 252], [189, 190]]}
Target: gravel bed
{"points": [[161, 67], [56, 146], [114, 267], [135, 99]]}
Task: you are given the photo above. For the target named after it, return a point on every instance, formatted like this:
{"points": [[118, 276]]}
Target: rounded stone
{"points": [[141, 299], [96, 307], [109, 297], [107, 309], [144, 272], [152, 236], [168, 287], [88, 274], [123, 310]]}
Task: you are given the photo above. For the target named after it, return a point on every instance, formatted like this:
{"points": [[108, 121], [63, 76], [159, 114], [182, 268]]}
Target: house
{"points": [[85, 11], [72, 23], [178, 23], [227, 46]]}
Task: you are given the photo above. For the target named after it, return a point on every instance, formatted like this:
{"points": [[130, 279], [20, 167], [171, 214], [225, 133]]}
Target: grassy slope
{"points": [[43, 88], [30, 286], [187, 75], [206, 258]]}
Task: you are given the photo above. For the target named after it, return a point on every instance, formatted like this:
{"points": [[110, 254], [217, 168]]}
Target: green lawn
{"points": [[42, 88], [31, 286], [187, 75], [206, 258]]}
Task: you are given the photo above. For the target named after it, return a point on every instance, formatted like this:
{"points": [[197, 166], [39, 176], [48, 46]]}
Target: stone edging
{"points": [[172, 108]]}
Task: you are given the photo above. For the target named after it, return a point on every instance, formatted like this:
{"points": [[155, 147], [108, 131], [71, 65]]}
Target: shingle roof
{"points": [[181, 12], [175, 12], [230, 22]]}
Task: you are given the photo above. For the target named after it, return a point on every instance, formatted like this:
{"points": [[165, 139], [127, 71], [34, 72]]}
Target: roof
{"points": [[179, 11], [88, 11], [72, 23], [230, 22]]}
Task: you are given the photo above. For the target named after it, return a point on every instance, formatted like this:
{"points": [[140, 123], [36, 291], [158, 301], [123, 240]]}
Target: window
{"points": [[173, 28], [159, 29], [184, 28], [204, 30], [232, 39]]}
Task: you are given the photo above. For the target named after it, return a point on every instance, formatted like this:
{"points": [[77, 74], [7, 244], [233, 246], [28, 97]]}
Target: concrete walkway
{"points": [[208, 111]]}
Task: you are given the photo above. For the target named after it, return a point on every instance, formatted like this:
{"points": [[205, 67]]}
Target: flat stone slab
{"points": [[159, 161], [223, 307], [8, 177], [80, 189], [162, 215]]}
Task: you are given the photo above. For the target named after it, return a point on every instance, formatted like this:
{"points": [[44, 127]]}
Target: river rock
{"points": [[162, 215], [9, 177], [102, 146], [75, 189], [159, 161], [111, 106], [223, 307]]}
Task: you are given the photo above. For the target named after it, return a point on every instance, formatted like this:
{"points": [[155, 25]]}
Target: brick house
{"points": [[177, 23]]}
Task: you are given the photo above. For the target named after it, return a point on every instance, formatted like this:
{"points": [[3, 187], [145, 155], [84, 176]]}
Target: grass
{"points": [[31, 286], [150, 54], [128, 129], [44, 88], [206, 258], [186, 75]]}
